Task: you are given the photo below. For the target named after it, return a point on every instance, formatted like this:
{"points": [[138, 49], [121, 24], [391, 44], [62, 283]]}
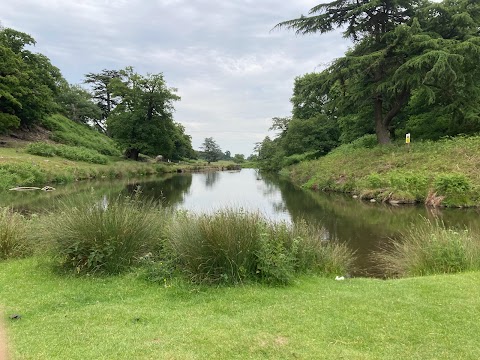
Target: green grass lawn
{"points": [[435, 317]]}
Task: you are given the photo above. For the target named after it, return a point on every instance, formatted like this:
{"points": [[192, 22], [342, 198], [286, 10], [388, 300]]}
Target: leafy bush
{"points": [[8, 122], [314, 253], [368, 141], [13, 235], [20, 175], [431, 248], [41, 149], [80, 154], [107, 236], [76, 153], [455, 187], [452, 183], [297, 158], [276, 254], [414, 183], [376, 181]]}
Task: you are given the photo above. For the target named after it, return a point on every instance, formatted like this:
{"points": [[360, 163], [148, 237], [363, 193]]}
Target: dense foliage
{"points": [[28, 81], [211, 151], [412, 68], [142, 122], [138, 109]]}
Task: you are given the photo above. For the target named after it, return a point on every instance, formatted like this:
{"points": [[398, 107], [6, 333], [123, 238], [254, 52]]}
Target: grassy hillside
{"points": [[64, 151], [445, 173], [70, 133]]}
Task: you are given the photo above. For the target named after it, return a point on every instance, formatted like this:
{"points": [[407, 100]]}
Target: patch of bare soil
{"points": [[3, 343], [21, 137]]}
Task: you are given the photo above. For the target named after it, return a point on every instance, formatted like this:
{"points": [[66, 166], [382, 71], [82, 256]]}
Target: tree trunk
{"points": [[132, 154], [381, 129], [383, 122]]}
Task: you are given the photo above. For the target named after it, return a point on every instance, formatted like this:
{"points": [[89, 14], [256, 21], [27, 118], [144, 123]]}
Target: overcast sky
{"points": [[232, 72]]}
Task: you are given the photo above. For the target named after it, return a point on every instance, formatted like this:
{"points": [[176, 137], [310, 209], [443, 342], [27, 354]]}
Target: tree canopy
{"points": [[211, 150], [413, 67], [136, 110], [76, 104], [102, 93], [142, 121], [412, 61], [28, 81]]}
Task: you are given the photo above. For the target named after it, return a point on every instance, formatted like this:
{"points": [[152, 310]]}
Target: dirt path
{"points": [[3, 342]]}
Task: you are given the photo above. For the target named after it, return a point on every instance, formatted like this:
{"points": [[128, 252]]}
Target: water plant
{"points": [[431, 248]]}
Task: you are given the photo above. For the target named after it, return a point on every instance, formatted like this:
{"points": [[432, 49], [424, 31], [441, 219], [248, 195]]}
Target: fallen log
{"points": [[30, 188]]}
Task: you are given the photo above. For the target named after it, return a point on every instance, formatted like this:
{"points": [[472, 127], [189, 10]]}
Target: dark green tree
{"points": [[403, 50], [447, 100], [102, 92], [368, 67], [317, 134], [182, 144], [76, 104], [239, 158], [142, 122], [211, 150], [270, 154], [28, 81]]}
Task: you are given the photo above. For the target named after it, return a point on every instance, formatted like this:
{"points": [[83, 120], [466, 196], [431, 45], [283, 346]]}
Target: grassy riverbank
{"points": [[124, 317], [63, 151], [444, 173]]}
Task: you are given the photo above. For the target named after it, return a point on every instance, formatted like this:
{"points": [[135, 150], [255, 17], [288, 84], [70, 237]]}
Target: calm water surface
{"points": [[365, 227]]}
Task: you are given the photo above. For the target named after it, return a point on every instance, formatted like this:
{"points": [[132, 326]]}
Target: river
{"points": [[364, 226]]}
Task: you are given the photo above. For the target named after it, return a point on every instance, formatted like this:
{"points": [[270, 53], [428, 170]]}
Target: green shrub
{"points": [[276, 254], [416, 184], [107, 236], [431, 248], [41, 149], [80, 154], [13, 235], [76, 153], [452, 183], [316, 254], [455, 187], [298, 158], [233, 167], [368, 141], [20, 175], [376, 181]]}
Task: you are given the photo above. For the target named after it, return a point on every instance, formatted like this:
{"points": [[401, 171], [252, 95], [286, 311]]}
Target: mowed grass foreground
{"points": [[123, 317]]}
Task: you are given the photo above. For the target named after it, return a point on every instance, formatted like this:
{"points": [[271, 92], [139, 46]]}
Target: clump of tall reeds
{"points": [[232, 246], [13, 235], [431, 248], [106, 235]]}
